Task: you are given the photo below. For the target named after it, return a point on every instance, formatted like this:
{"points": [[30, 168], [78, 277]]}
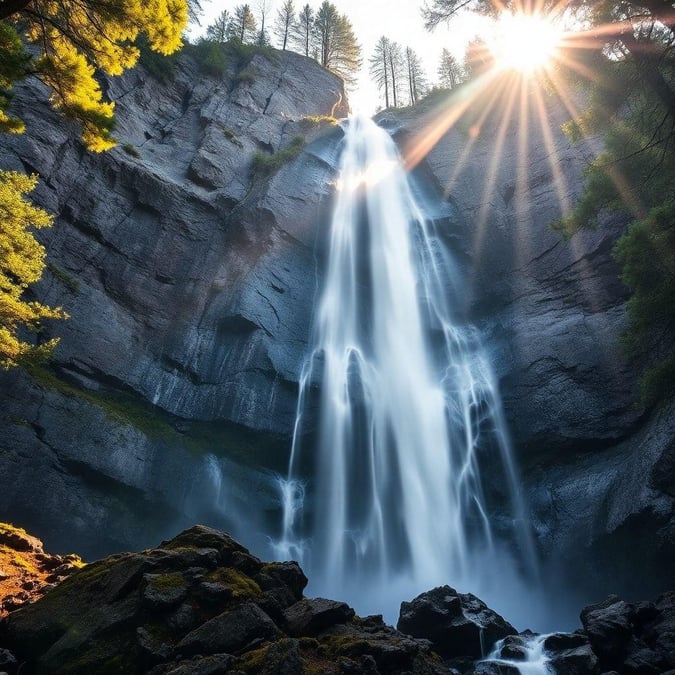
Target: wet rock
{"points": [[311, 616], [457, 624]]}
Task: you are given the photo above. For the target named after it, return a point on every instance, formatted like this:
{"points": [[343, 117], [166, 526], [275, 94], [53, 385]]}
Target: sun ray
{"points": [[491, 175], [474, 135], [441, 120]]}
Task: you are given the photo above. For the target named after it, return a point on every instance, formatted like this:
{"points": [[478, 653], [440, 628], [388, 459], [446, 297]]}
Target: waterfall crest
{"points": [[385, 498]]}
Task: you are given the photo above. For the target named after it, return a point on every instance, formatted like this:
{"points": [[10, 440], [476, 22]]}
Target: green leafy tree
{"points": [[22, 261], [285, 23]]}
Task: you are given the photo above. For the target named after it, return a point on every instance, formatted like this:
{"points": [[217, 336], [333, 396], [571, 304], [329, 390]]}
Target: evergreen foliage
{"points": [[337, 46], [22, 261], [635, 175], [450, 72], [284, 24], [75, 38]]}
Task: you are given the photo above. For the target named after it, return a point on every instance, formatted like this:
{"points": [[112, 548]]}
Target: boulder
{"points": [[632, 637], [312, 616], [456, 624]]}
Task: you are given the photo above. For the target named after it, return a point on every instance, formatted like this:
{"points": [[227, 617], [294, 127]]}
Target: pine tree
{"points": [[262, 39], [243, 26], [417, 81], [74, 38], [394, 62], [22, 260], [285, 23], [450, 73], [218, 31], [303, 33], [379, 69], [337, 46]]}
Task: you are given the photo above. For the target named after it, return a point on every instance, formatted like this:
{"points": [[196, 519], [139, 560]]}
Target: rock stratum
{"points": [[189, 272], [201, 604]]}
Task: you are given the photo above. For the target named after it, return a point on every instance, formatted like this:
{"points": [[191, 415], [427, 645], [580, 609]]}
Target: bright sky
{"points": [[399, 21]]}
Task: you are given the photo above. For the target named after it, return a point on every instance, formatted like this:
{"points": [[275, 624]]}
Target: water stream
{"points": [[386, 493]]}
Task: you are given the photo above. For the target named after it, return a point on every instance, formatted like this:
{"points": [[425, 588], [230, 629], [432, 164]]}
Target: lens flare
{"points": [[524, 42]]}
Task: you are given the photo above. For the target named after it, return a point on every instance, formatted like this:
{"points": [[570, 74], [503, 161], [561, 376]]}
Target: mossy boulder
{"points": [[201, 604]]}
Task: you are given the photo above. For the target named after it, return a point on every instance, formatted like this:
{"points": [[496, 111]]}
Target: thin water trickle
{"points": [[394, 500]]}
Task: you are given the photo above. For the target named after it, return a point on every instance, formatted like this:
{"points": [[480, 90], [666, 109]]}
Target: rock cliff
{"points": [[189, 276]]}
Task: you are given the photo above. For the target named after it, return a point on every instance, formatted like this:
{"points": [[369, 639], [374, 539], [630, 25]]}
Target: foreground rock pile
{"points": [[201, 604]]}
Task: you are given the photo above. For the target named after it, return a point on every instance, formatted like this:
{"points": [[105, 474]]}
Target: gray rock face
{"points": [[189, 283]]}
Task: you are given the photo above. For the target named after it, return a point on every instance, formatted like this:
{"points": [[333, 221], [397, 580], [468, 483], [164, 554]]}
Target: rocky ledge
{"points": [[201, 604]]}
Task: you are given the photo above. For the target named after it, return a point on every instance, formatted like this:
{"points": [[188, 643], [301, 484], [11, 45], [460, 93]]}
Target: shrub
{"points": [[265, 165]]}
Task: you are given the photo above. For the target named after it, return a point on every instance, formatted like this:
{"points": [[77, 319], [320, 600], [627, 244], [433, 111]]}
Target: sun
{"points": [[524, 42]]}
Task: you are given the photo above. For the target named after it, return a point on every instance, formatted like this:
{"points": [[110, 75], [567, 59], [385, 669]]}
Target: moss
{"points": [[265, 165], [70, 282], [118, 653], [232, 137], [243, 587], [163, 583], [235, 442], [131, 150], [346, 645], [253, 661]]}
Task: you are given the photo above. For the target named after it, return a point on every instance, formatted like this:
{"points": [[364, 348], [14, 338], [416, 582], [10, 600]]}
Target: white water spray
{"points": [[385, 499]]}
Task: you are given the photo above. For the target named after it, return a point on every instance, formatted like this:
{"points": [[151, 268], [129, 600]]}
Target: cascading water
{"points": [[385, 498]]}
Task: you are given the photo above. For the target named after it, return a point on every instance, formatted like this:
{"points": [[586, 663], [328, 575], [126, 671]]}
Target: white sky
{"points": [[397, 19]]}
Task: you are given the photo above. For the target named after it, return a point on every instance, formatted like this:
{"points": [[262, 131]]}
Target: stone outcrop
{"points": [[188, 278], [201, 603]]}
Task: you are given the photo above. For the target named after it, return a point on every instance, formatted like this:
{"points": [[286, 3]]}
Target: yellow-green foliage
{"points": [[318, 120], [77, 37], [22, 260]]}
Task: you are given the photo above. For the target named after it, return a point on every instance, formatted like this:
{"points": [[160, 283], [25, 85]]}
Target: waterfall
{"points": [[384, 497]]}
